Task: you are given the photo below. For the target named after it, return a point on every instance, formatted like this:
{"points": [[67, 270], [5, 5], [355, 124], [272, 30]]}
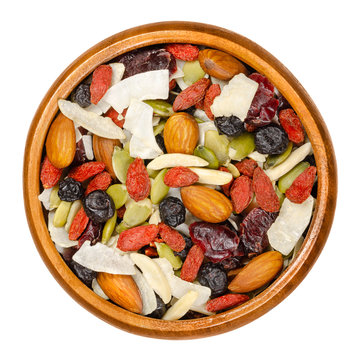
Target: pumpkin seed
{"points": [[121, 161], [233, 169], [280, 195], [274, 160], [159, 127], [164, 251], [192, 72], [62, 213], [108, 229], [122, 227], [208, 155], [286, 180], [152, 173], [219, 144], [137, 212], [242, 146], [118, 193], [75, 207], [160, 107], [54, 198], [159, 190]]}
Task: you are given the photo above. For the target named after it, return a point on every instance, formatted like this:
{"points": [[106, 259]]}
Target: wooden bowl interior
{"points": [[261, 61]]}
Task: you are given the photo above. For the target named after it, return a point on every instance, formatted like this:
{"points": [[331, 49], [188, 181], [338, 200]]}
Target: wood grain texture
{"points": [[279, 75]]}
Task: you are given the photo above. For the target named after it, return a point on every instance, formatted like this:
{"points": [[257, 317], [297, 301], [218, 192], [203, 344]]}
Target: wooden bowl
{"points": [[263, 62]]}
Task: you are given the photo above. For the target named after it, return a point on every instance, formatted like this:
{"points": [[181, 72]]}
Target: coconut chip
{"points": [[102, 258], [44, 197], [98, 290], [147, 293], [58, 234]]}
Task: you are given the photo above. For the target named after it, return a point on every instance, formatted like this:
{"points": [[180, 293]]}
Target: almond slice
{"points": [[98, 125], [212, 177], [175, 159], [153, 275], [181, 307]]}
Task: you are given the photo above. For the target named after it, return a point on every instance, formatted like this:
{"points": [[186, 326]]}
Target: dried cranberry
{"points": [[147, 59], [254, 228], [283, 103], [80, 155], [92, 233], [231, 263], [218, 242]]}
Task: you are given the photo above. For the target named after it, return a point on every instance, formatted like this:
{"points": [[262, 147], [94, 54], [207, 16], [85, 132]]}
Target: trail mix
{"points": [[177, 181]]}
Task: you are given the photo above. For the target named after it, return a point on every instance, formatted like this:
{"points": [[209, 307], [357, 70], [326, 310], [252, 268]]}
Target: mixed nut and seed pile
{"points": [[178, 182]]}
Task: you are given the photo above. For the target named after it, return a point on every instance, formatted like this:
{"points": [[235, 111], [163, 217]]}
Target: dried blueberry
{"points": [[271, 140], [81, 95], [254, 230], [188, 244], [160, 310], [214, 277], [229, 125], [70, 190], [99, 206], [172, 211], [160, 141], [84, 274]]}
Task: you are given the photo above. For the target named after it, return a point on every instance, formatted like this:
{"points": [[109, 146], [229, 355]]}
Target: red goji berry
{"points": [[113, 115], [137, 180], [265, 194], [100, 182], [301, 187], [86, 171], [292, 125], [192, 264], [241, 193], [171, 237], [225, 302], [78, 225], [101, 81], [172, 84], [49, 175], [212, 92], [200, 105], [121, 212], [246, 167], [137, 237], [191, 95], [226, 187], [186, 52], [180, 176]]}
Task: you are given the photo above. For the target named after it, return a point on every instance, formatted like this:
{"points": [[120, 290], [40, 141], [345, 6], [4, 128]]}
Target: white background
{"points": [[317, 41]]}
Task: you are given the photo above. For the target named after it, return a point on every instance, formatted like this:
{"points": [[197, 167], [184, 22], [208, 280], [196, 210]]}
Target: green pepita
{"points": [[160, 107], [164, 251], [122, 227], [152, 173], [242, 146], [158, 189], [274, 160], [159, 127], [75, 207], [208, 155], [121, 161], [54, 198], [192, 72], [286, 180], [61, 214], [137, 212], [108, 229], [118, 193], [219, 144], [280, 195]]}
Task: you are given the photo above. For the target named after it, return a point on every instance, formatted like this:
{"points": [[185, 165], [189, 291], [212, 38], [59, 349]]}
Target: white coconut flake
{"points": [[147, 293], [294, 158], [78, 135], [138, 121], [179, 72], [44, 197], [201, 114], [99, 125], [118, 70], [257, 156], [235, 98], [222, 83], [58, 234], [180, 287], [155, 218], [203, 128], [94, 108], [149, 85], [98, 290], [102, 258], [288, 227], [87, 141]]}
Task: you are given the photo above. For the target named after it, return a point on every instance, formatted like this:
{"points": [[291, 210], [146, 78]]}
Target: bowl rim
{"points": [[263, 62]]}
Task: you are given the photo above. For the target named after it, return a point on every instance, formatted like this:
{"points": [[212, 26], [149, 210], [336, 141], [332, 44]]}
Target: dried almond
{"points": [[258, 272], [206, 204], [60, 142], [122, 290], [220, 65], [181, 133], [103, 151]]}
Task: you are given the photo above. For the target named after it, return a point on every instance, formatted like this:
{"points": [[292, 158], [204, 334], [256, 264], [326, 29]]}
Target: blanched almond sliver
{"points": [[173, 160], [181, 307], [212, 177]]}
